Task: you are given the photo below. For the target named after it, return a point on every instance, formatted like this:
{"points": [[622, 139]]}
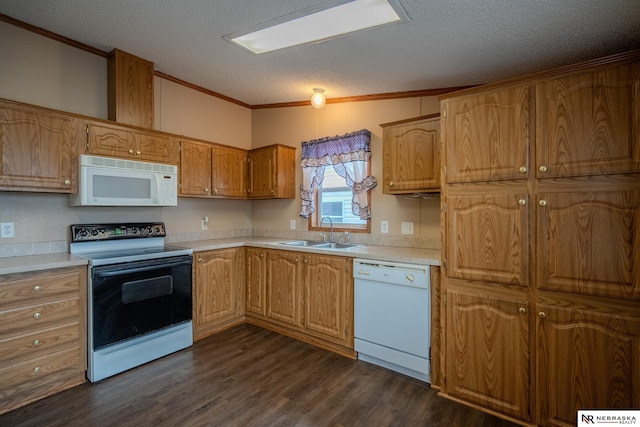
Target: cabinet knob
{"points": [[37, 288], [36, 343], [199, 259], [410, 277], [37, 370], [522, 310], [542, 203], [542, 314], [37, 316], [261, 255], [542, 168], [130, 151], [206, 190], [138, 152], [67, 181], [522, 202], [390, 183], [215, 190], [522, 169]]}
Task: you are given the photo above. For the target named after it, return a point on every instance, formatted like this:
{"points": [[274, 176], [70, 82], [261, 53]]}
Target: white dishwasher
{"points": [[392, 316]]}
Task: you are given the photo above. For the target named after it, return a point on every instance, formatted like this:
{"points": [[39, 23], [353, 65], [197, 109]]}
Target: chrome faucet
{"points": [[331, 223]]}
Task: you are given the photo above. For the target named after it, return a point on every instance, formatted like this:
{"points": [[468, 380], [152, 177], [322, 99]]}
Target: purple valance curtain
{"points": [[349, 155]]}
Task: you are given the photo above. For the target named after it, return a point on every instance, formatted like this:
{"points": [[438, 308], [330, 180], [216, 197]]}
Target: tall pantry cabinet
{"points": [[541, 242]]}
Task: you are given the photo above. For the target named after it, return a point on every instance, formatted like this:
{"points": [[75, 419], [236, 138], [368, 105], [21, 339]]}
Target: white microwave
{"points": [[106, 181]]}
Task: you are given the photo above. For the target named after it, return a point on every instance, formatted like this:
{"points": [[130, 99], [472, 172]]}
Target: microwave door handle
{"points": [[98, 273]]}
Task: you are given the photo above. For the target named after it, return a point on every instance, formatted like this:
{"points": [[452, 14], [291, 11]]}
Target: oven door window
{"points": [[133, 299]]}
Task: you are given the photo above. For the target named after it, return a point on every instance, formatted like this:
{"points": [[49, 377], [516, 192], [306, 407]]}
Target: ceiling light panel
{"points": [[331, 19]]}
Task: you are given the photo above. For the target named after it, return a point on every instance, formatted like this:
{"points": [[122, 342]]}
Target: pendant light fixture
{"points": [[317, 99]]}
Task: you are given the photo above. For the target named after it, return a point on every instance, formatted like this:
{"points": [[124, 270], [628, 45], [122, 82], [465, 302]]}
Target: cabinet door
{"points": [[283, 287], [111, 141], [195, 169], [589, 122], [586, 360], [157, 148], [487, 362], [217, 291], [256, 281], [130, 89], [589, 242], [411, 154], [487, 238], [262, 173], [328, 297], [486, 135], [229, 172], [38, 150]]}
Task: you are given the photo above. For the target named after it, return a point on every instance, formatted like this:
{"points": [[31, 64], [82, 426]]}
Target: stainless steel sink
{"points": [[320, 244]]}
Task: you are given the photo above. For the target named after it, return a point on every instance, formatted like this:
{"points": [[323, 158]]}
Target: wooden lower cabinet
{"points": [[587, 358], [42, 334], [328, 297], [218, 291], [303, 295], [283, 287], [256, 281], [487, 350]]}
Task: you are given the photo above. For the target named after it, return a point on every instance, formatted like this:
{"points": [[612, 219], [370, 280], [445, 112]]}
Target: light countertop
{"points": [[21, 264]]}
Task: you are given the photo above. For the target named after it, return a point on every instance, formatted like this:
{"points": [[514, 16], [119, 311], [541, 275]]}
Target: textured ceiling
{"points": [[447, 42]]}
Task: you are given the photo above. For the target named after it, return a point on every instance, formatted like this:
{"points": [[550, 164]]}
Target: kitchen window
{"points": [[336, 182]]}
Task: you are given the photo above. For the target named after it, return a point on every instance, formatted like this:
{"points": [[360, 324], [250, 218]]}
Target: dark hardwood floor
{"points": [[248, 376]]}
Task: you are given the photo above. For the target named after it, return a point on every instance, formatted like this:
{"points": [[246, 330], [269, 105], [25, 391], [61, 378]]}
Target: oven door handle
{"points": [[120, 272]]}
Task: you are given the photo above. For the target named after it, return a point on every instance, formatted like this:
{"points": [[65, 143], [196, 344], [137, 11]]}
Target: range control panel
{"points": [[92, 232]]}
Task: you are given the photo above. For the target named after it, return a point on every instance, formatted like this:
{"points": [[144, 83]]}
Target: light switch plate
{"points": [[384, 226], [407, 227], [292, 224]]}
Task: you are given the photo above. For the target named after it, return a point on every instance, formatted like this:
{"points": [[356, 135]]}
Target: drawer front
{"points": [[38, 317], [37, 344], [23, 290], [41, 367]]}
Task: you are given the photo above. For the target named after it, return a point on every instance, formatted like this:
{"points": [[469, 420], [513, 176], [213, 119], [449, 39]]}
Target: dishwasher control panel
{"points": [[391, 273]]}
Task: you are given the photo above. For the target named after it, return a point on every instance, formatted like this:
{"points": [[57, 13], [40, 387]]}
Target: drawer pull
{"points": [[37, 370], [130, 151], [37, 288], [36, 343], [37, 315], [522, 310]]}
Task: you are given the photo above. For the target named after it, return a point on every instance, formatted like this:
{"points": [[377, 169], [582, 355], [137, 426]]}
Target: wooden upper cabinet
{"points": [[272, 172], [486, 135], [487, 362], [588, 123], [229, 172], [130, 87], [411, 153], [586, 359], [112, 140], [589, 242], [38, 149], [208, 170], [195, 169], [487, 238]]}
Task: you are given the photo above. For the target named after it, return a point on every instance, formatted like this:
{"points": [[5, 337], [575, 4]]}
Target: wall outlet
{"points": [[384, 226], [7, 230], [292, 224], [205, 223], [407, 227]]}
